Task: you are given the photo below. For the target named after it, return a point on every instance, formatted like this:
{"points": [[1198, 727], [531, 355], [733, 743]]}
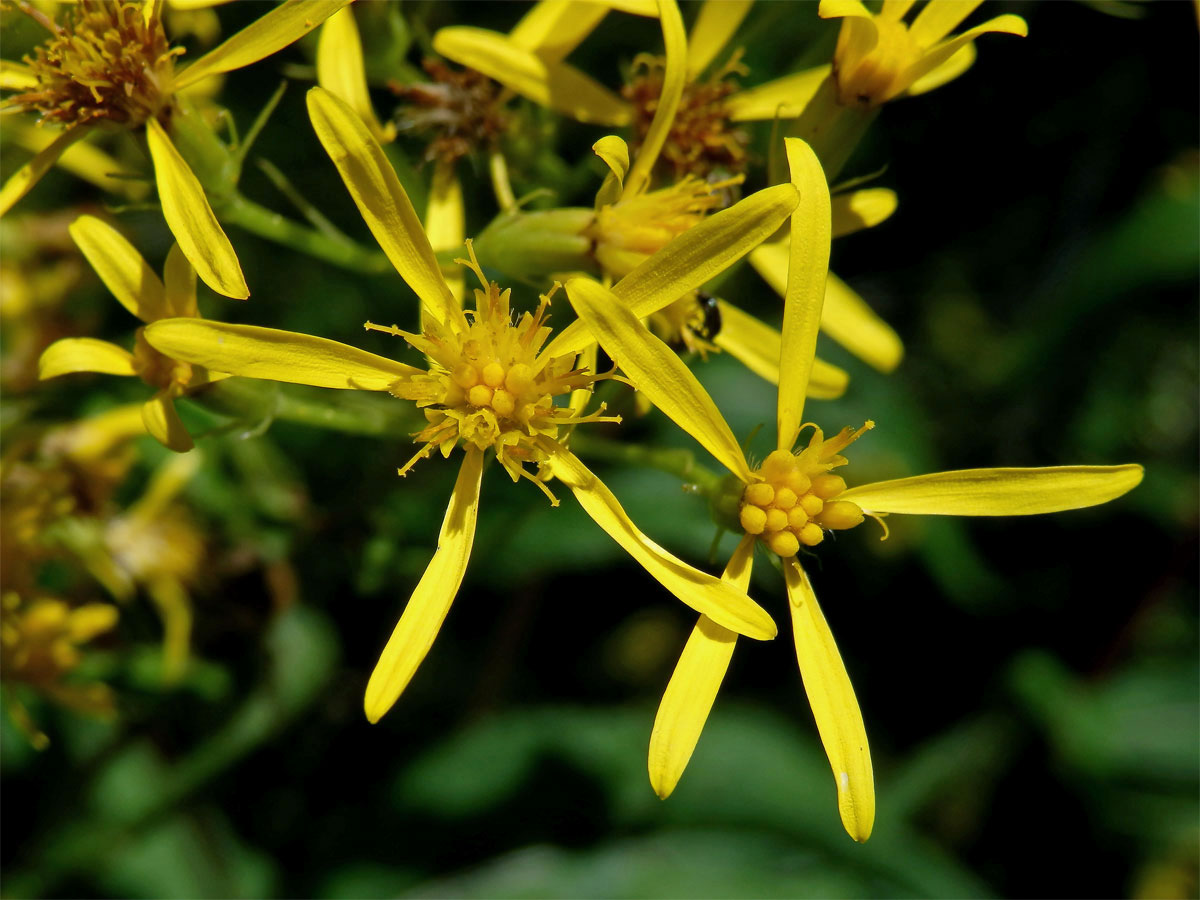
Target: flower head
{"points": [[792, 499], [490, 385], [110, 63], [150, 298]]}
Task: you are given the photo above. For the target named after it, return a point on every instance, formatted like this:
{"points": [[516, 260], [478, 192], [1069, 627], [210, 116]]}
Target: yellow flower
{"points": [[111, 64], [150, 298], [491, 384], [41, 639], [792, 499]]}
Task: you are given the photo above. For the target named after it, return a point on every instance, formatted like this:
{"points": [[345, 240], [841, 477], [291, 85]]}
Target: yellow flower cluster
{"points": [[668, 220]]}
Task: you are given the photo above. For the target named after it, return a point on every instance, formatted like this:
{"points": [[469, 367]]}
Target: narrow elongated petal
{"points": [[191, 219], [699, 254], [274, 355], [175, 609], [715, 26], [657, 371], [937, 56], [808, 266], [756, 345], [179, 284], [938, 18], [556, 85], [693, 687], [283, 25], [945, 73], [615, 153], [81, 159], [21, 182], [381, 199], [84, 355], [717, 599], [340, 69], [837, 9], [998, 492], [848, 320], [553, 28], [445, 220], [15, 76], [834, 706], [163, 422], [429, 603], [167, 483], [120, 267], [674, 80], [856, 210], [783, 98]]}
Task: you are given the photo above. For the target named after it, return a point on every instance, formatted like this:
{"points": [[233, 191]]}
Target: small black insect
{"points": [[711, 326]]}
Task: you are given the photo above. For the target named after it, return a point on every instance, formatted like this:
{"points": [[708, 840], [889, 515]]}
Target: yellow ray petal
{"points": [[837, 9], [283, 25], [894, 10], [938, 18], [848, 320], [446, 221], [381, 200], [693, 687], [719, 600], [429, 603], [81, 159], [179, 285], [191, 219], [164, 424], [167, 483], [15, 76], [756, 345], [783, 98], [657, 371], [807, 268], [21, 182], [940, 54], [274, 355], [945, 73], [175, 610], [715, 26], [340, 69], [699, 254], [84, 355], [556, 85], [855, 210], [834, 706], [90, 620], [553, 28], [120, 267], [615, 153], [998, 492], [674, 80]]}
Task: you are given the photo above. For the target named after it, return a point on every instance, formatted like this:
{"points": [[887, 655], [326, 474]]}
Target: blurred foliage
{"points": [[1030, 686]]}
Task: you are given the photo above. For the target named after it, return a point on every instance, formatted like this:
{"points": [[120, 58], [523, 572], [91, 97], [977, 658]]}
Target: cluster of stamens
{"points": [[634, 228], [107, 63], [702, 137], [796, 502], [488, 383], [461, 108]]}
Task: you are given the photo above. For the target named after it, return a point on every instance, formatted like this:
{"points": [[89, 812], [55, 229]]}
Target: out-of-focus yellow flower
{"points": [[110, 63], [41, 641], [793, 499], [491, 384], [148, 297]]}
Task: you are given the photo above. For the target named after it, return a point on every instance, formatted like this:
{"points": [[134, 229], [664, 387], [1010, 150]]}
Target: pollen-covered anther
{"points": [[795, 502]]}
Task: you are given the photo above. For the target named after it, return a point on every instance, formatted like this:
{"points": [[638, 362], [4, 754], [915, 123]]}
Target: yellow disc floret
{"points": [[109, 62], [488, 384], [795, 502]]}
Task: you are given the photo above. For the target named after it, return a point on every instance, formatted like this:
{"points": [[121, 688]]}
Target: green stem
{"points": [[270, 225]]}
